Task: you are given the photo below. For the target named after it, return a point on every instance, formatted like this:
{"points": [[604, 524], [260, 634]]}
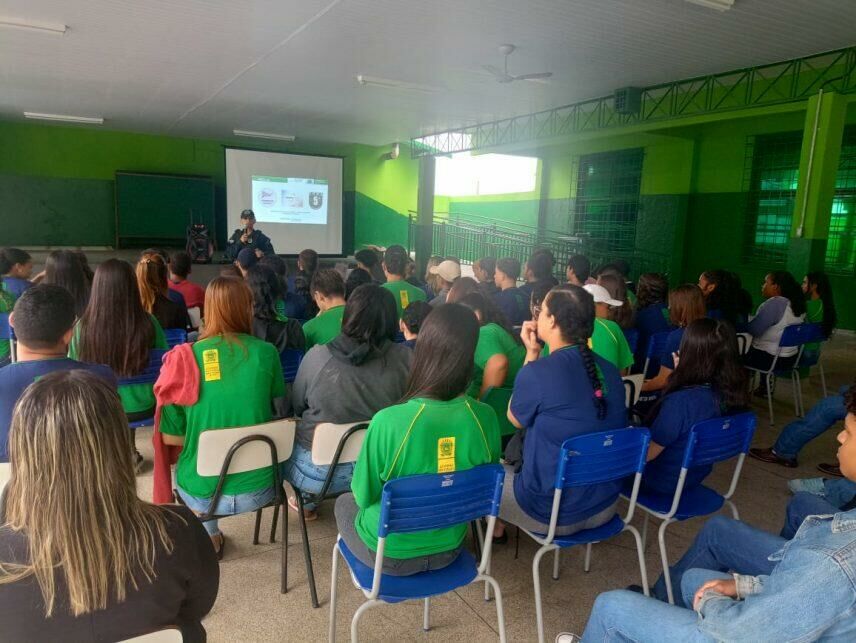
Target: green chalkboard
{"points": [[155, 209]]}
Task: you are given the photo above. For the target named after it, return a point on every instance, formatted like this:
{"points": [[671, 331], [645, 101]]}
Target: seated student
{"points": [[82, 558], [578, 270], [686, 305], [410, 275], [368, 260], [607, 338], [300, 284], [708, 381], [652, 312], [784, 305], [16, 267], [7, 302], [820, 309], [43, 320], [621, 269], [288, 305], [356, 278], [394, 266], [509, 299], [173, 295], [484, 270], [63, 268], [614, 284], [346, 380], [246, 259], [411, 321], [240, 383], [116, 331], [798, 590], [448, 272], [267, 326], [154, 287], [328, 290], [461, 288], [570, 392], [408, 439], [539, 269], [179, 271], [432, 286], [232, 271], [722, 296], [499, 352]]}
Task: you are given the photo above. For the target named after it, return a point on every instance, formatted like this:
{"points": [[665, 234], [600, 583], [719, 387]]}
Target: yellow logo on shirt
{"points": [[445, 455], [211, 364], [405, 299]]}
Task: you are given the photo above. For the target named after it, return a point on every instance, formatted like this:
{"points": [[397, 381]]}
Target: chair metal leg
{"points": [[587, 563], [475, 526], [310, 573], [733, 508], [283, 556], [796, 384], [273, 522], [487, 585], [356, 620], [426, 625], [769, 380], [516, 543], [661, 535], [536, 581], [645, 530], [500, 614], [640, 550], [258, 526], [556, 564], [334, 579]]}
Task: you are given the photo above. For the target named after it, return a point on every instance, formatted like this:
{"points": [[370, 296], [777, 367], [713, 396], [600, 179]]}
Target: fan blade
{"points": [[500, 75], [536, 76]]}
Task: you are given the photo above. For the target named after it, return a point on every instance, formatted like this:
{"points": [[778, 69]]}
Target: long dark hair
{"points": [[709, 356], [573, 309], [820, 280], [652, 288], [264, 285], [790, 290], [488, 312], [63, 268], [115, 328], [443, 361], [727, 296], [370, 315], [357, 278]]}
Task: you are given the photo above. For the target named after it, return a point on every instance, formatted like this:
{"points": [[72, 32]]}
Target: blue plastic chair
{"points": [[290, 359], [794, 336], [420, 503], [632, 337], [655, 350], [148, 376], [593, 458], [8, 334], [175, 336], [709, 442]]}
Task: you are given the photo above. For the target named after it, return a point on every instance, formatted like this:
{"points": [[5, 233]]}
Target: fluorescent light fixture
{"points": [[44, 27], [270, 135], [64, 118], [389, 83], [718, 5]]}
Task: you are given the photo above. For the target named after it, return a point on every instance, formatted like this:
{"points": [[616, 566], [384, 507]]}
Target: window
{"points": [[607, 200], [467, 175], [841, 244], [773, 175]]}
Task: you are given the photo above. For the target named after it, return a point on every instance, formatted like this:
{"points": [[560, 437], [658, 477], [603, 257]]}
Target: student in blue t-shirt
{"points": [[43, 319], [708, 382], [510, 300], [570, 392], [16, 266], [652, 315]]}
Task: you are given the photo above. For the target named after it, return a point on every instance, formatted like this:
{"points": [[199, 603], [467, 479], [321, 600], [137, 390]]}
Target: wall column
{"points": [[424, 213], [544, 200], [821, 149]]}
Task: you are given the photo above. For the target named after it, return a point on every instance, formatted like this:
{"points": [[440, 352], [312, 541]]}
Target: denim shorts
{"points": [[227, 505], [309, 478]]}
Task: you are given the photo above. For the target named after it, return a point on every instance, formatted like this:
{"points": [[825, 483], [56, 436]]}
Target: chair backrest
{"points": [[5, 476], [214, 446], [437, 500], [151, 372], [168, 635], [657, 344], [744, 341], [632, 389], [290, 359], [498, 398], [328, 436], [800, 334], [632, 337], [195, 314], [719, 439], [175, 336], [594, 458]]}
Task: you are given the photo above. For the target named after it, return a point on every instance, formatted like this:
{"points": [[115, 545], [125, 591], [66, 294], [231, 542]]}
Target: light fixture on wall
{"points": [[43, 27], [718, 5], [269, 135], [393, 153], [65, 118], [389, 83]]}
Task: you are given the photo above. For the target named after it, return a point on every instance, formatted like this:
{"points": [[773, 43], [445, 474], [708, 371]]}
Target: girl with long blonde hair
{"points": [[152, 279]]}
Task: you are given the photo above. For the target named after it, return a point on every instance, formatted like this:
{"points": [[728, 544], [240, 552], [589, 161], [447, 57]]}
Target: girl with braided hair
{"points": [[570, 392]]}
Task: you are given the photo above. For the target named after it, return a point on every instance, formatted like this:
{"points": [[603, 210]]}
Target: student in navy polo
{"points": [[43, 319]]}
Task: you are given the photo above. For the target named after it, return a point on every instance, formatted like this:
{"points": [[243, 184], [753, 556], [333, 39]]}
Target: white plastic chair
{"points": [[168, 635], [632, 389]]}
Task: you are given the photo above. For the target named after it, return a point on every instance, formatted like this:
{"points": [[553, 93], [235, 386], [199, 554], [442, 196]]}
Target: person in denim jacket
{"points": [[803, 589]]}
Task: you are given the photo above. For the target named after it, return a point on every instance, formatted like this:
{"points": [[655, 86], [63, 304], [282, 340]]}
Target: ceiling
{"points": [[206, 67]]}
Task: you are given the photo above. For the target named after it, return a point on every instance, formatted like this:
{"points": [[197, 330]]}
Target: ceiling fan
{"points": [[502, 75]]}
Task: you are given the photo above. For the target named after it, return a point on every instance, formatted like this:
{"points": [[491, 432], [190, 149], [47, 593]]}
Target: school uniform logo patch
{"points": [[446, 455]]}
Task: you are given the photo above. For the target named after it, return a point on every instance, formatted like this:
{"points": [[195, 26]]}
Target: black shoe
{"points": [[501, 540], [635, 588], [768, 455], [830, 469]]}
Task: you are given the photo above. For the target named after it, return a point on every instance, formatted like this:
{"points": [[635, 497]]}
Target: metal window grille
{"points": [[771, 176], [841, 243], [607, 201]]}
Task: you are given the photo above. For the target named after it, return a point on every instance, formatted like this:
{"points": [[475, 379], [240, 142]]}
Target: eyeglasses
{"points": [[536, 310]]}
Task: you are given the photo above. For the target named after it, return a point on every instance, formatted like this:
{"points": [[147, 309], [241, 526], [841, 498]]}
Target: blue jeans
{"points": [[805, 504], [803, 430], [722, 545], [309, 478], [227, 505]]}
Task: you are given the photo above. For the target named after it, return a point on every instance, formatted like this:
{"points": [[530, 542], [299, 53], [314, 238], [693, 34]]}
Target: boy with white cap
{"points": [[607, 339]]}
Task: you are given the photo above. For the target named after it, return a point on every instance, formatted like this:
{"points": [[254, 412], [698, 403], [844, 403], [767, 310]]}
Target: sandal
{"points": [[309, 515], [219, 551]]}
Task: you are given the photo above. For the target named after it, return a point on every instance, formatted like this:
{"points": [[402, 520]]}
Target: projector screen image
{"points": [[297, 199]]}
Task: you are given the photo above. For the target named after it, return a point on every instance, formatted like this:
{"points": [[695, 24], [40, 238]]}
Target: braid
{"points": [[594, 378]]}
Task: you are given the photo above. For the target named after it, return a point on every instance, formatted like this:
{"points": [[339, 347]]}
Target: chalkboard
{"points": [[155, 209]]}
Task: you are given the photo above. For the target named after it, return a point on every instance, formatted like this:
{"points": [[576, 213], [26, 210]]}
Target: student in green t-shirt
{"points": [[240, 382], [437, 429], [394, 267], [607, 339], [7, 302], [328, 291], [499, 353], [820, 304]]}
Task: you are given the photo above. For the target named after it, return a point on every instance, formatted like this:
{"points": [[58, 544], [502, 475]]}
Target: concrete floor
{"points": [[250, 608]]}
